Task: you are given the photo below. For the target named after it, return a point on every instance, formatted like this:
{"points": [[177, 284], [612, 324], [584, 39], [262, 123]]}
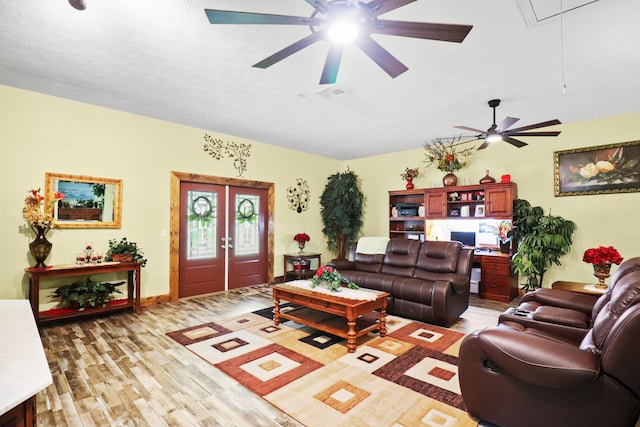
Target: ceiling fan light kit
{"points": [[501, 132], [78, 4], [362, 20]]}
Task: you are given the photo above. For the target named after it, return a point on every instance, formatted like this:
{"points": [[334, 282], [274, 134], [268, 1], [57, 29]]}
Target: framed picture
{"points": [[605, 169], [479, 210]]}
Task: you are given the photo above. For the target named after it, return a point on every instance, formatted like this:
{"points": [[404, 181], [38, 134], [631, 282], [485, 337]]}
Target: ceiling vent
{"points": [[536, 12], [332, 92]]}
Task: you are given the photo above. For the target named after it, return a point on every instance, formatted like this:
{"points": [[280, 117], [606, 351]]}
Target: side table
{"points": [[301, 265], [583, 288]]}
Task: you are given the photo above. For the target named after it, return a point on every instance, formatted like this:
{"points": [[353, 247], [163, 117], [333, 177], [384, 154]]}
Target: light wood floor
{"points": [[121, 369]]}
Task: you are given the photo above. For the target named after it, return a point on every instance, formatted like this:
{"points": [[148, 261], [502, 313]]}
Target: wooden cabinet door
{"points": [[498, 201], [436, 204]]}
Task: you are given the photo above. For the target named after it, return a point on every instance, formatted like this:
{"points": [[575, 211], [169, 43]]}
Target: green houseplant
{"points": [[541, 241], [86, 293], [125, 247], [341, 206]]}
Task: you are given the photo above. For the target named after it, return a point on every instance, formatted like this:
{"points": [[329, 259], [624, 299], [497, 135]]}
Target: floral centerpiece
{"points": [[504, 231], [33, 212], [446, 155], [301, 238], [328, 276], [408, 175], [602, 257]]}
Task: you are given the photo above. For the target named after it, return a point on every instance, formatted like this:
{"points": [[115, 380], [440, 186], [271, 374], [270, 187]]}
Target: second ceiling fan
{"points": [[502, 132], [336, 15]]}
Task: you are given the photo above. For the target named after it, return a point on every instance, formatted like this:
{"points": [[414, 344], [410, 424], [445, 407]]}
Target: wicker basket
{"points": [[122, 257]]}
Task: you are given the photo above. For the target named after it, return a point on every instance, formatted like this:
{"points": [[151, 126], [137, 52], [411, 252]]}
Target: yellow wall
{"points": [[41, 134], [601, 219], [46, 134]]}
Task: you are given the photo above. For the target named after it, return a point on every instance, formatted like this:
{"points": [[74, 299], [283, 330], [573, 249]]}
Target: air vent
{"points": [[536, 12], [332, 92]]}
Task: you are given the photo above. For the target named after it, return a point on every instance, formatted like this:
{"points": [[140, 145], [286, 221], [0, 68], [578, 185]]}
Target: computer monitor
{"points": [[467, 238]]}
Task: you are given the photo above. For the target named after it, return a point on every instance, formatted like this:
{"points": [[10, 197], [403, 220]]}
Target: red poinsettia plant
{"points": [[301, 237], [601, 255]]}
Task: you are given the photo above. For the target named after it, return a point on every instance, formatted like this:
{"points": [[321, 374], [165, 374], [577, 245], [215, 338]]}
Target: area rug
{"points": [[408, 378]]}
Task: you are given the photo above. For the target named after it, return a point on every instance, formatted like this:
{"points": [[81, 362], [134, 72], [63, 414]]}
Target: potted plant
{"points": [[118, 248], [86, 293], [341, 206], [541, 241]]}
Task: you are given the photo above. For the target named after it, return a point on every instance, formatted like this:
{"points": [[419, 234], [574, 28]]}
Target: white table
{"points": [[24, 370]]}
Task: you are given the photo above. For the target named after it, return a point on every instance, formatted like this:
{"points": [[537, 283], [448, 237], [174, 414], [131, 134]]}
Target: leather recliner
{"points": [[516, 376], [561, 312]]}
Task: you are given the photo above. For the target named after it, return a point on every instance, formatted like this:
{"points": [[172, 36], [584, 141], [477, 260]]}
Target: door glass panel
{"points": [[202, 221], [246, 239]]}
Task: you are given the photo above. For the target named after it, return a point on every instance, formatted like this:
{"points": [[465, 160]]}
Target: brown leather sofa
{"points": [[427, 281], [521, 374]]}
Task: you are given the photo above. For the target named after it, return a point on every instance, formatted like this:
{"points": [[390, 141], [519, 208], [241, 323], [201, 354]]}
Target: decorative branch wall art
{"points": [[298, 196], [218, 148]]}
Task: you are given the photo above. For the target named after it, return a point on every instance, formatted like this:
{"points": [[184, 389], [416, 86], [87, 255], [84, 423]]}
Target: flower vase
{"points": [[449, 180], [301, 247], [601, 271], [409, 185], [505, 247], [40, 248]]}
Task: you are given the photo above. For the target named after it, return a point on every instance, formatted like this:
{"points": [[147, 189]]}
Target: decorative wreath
{"points": [[246, 210]]}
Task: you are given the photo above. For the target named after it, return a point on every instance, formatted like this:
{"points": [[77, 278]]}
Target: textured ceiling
{"points": [[162, 59]]}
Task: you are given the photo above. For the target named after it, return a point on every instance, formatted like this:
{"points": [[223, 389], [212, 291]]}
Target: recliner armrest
{"points": [[562, 298], [538, 360]]}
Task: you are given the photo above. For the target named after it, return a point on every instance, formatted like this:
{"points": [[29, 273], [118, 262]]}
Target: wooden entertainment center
{"points": [[468, 202]]}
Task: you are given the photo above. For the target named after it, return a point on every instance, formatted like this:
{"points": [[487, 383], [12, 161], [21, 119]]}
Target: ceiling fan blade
{"points": [[421, 30], [470, 129], [381, 56], [321, 6], [537, 125], [484, 145], [332, 64], [544, 133], [230, 17], [290, 50], [379, 7], [514, 141], [506, 123]]}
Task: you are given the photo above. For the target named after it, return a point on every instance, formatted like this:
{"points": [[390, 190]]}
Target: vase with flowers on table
{"points": [[602, 258], [408, 175], [505, 228], [448, 157], [40, 222], [302, 239]]}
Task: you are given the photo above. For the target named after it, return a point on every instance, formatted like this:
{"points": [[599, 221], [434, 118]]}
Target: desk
{"points": [[496, 281], [24, 370], [583, 288], [68, 270], [301, 265]]}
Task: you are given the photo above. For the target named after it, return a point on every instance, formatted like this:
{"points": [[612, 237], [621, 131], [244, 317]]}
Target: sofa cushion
{"points": [[439, 256], [400, 258], [369, 263], [413, 290]]}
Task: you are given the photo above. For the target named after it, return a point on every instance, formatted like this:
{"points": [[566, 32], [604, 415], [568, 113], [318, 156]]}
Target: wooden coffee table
{"points": [[335, 315]]}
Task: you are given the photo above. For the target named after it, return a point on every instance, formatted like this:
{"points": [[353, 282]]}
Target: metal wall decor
{"points": [[218, 148], [298, 196]]}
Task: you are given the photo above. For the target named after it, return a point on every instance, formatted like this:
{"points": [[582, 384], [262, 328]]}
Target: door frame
{"points": [[174, 220]]}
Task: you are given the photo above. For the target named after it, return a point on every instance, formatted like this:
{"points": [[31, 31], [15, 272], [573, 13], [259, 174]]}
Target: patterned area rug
{"points": [[408, 378]]}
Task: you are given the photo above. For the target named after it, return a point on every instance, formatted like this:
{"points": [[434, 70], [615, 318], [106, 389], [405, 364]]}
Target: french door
{"points": [[223, 237]]}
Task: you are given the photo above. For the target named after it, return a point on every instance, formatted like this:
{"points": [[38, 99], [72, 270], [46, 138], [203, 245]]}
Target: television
{"points": [[467, 238]]}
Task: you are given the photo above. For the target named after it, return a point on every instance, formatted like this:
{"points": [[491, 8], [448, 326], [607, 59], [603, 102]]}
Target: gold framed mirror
{"points": [[88, 202]]}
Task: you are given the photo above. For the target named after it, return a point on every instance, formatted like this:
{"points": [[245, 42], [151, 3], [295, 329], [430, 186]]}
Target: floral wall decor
{"points": [[218, 148], [298, 196]]}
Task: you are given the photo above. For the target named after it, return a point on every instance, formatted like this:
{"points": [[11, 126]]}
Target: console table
{"points": [[301, 271], [69, 270]]}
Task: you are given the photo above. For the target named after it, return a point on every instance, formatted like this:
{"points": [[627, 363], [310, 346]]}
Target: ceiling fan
{"points": [[359, 20], [502, 132]]}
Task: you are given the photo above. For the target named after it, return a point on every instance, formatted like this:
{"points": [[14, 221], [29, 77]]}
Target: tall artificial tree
{"points": [[342, 203]]}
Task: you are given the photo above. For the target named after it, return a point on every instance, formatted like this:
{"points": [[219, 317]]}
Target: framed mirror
{"points": [[88, 202]]}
